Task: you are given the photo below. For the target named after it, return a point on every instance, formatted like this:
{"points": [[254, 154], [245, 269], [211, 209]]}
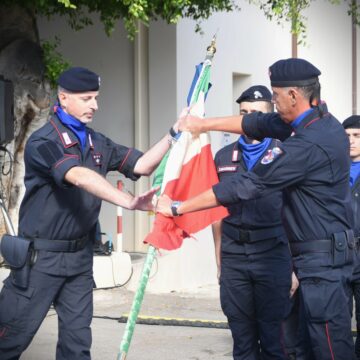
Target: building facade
{"points": [[144, 85]]}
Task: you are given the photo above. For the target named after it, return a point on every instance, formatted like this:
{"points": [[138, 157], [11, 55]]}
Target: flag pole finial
{"points": [[211, 49]]}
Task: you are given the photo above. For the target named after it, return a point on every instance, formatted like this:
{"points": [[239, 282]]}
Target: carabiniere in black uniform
{"points": [[60, 219], [312, 169], [71, 214], [255, 265]]}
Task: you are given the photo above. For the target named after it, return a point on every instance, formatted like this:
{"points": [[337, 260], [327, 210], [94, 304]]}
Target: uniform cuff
{"points": [[250, 125], [129, 162]]}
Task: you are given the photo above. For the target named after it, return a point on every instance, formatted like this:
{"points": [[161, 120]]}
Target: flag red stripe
{"points": [[197, 176]]}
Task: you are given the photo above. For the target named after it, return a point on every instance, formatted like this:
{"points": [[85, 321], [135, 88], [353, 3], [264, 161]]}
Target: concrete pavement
{"points": [[149, 342]]}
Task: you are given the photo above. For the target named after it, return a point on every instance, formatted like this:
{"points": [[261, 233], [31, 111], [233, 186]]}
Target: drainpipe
{"points": [[141, 118]]}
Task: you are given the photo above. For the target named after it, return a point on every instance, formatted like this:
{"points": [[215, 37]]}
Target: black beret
{"points": [[352, 122], [78, 79], [255, 93], [293, 72]]}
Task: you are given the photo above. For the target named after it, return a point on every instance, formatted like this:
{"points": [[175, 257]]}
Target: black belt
{"points": [[60, 245], [248, 236], [338, 243], [316, 246]]}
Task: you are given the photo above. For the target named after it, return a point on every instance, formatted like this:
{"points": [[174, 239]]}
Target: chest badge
{"points": [[97, 158], [228, 168], [271, 155]]}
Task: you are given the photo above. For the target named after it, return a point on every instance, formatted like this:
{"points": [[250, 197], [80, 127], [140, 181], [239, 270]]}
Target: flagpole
{"points": [[139, 295], [136, 305]]}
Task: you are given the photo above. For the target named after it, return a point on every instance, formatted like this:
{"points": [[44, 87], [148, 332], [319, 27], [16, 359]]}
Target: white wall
{"points": [[248, 44], [329, 48], [162, 78]]}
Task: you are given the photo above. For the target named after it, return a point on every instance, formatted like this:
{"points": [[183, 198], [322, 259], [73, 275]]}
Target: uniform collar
{"points": [[312, 116], [236, 155], [301, 117], [67, 137]]}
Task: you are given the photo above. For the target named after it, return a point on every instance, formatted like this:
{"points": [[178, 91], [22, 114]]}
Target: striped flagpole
{"points": [[119, 212], [136, 305], [200, 84]]}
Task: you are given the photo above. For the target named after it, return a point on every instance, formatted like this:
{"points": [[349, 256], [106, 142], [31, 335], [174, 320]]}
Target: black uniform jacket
{"points": [[263, 213], [53, 208], [312, 167]]}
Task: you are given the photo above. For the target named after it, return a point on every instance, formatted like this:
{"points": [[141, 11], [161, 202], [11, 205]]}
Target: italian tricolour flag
{"points": [[186, 171]]}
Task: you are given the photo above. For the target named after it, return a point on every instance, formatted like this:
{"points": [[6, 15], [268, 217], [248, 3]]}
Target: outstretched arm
{"points": [[255, 125], [198, 125], [97, 185], [151, 158], [205, 200]]}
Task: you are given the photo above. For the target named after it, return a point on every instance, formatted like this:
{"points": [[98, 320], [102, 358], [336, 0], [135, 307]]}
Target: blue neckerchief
{"points": [[354, 172], [251, 153], [302, 116], [74, 124]]}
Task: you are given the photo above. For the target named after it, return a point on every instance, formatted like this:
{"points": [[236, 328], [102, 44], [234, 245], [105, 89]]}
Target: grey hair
{"points": [[311, 92], [61, 89]]}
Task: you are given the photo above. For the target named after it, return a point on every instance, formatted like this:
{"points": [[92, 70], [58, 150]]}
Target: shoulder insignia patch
{"points": [[271, 155]]}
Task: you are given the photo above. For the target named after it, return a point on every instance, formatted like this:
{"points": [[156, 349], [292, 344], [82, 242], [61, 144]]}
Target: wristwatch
{"points": [[174, 207], [173, 133]]}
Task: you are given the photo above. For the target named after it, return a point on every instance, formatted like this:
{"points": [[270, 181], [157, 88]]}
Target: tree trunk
{"points": [[21, 62]]}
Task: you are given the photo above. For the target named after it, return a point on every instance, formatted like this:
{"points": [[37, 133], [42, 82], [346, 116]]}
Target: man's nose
{"points": [[94, 104]]}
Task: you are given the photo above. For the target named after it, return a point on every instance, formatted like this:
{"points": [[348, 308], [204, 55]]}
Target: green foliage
{"points": [[54, 62], [131, 11], [67, 4], [354, 11], [286, 11], [291, 11]]}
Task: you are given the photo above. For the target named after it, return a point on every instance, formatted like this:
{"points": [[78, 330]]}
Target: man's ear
{"points": [[293, 95], [62, 98]]}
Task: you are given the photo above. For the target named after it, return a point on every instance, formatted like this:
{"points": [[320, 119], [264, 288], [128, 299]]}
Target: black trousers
{"points": [[23, 310], [324, 316], [355, 287], [254, 293]]}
